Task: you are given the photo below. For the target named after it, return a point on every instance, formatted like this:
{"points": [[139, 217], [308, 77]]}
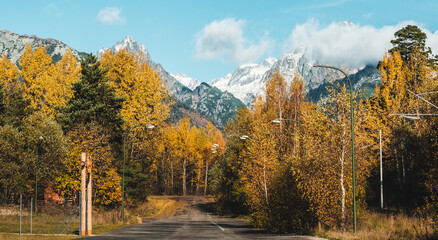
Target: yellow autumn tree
{"points": [[36, 72], [107, 190], [215, 147], [262, 160], [171, 153], [9, 72], [66, 72], [141, 86]]}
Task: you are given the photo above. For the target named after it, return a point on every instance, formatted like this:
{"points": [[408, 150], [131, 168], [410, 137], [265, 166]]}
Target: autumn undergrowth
{"points": [[381, 226], [47, 220]]}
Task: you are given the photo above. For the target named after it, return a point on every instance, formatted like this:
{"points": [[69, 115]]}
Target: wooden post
{"points": [[83, 194], [89, 196]]}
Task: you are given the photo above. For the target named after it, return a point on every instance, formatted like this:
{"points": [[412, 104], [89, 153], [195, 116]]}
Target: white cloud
{"points": [[347, 43], [52, 10], [432, 40], [110, 15], [224, 40]]}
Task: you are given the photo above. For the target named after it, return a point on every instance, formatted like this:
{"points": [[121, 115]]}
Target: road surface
{"points": [[197, 222]]}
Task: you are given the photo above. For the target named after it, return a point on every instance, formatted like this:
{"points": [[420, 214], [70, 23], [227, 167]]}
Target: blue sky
{"points": [[208, 39]]}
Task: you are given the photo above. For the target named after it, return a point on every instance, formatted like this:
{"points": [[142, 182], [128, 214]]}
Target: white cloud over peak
{"points": [[110, 15], [348, 43], [224, 40]]}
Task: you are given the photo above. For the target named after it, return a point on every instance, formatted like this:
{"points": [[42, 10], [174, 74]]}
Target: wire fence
{"points": [[18, 215]]}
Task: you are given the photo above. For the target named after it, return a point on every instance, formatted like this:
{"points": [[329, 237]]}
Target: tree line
{"points": [[288, 161], [52, 112], [288, 175]]}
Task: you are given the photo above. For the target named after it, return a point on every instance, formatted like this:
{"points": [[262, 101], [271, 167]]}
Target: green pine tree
{"points": [[13, 106], [410, 39], [94, 102]]}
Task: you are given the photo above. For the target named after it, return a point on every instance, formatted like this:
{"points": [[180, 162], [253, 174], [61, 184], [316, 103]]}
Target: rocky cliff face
{"points": [[12, 45]]}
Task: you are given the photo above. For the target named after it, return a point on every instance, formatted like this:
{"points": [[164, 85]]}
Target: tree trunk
{"points": [[171, 177], [198, 182], [184, 178], [342, 160], [206, 177], [264, 181]]}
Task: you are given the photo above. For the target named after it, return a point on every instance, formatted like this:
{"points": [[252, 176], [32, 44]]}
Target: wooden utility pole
{"points": [[83, 194], [89, 196]]}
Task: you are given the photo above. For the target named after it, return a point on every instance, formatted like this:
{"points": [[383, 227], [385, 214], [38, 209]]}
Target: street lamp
{"points": [[352, 141], [149, 126], [414, 116], [36, 173], [278, 121], [244, 137]]}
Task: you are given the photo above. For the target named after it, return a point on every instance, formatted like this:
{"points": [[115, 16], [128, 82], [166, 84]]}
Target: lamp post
{"points": [[278, 121], [149, 126], [352, 141], [381, 170], [36, 172]]}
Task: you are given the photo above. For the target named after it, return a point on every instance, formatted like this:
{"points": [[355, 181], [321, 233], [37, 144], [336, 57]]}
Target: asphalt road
{"points": [[197, 222]]}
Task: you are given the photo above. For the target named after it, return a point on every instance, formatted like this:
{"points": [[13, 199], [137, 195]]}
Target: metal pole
{"points": [[21, 201], [36, 173], [352, 141], [31, 203], [123, 177], [381, 171], [36, 180]]}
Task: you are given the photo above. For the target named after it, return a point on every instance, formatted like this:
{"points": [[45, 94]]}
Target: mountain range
{"points": [[219, 99], [247, 81]]}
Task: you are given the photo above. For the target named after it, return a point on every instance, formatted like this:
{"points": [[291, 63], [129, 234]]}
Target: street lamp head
{"points": [[277, 120], [410, 117], [40, 138], [244, 137], [150, 126]]}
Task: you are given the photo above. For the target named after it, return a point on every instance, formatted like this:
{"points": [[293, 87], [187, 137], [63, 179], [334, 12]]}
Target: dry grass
{"points": [[159, 207], [50, 217], [379, 226]]}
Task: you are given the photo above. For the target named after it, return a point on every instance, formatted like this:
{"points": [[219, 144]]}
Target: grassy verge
{"points": [[379, 226], [49, 218]]}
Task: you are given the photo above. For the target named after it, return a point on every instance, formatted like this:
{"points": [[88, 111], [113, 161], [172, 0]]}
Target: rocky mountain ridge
{"points": [[248, 81], [12, 45]]}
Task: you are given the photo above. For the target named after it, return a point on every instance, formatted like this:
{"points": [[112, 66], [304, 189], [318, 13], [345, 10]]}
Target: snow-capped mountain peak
{"points": [[187, 81], [246, 81], [129, 44]]}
